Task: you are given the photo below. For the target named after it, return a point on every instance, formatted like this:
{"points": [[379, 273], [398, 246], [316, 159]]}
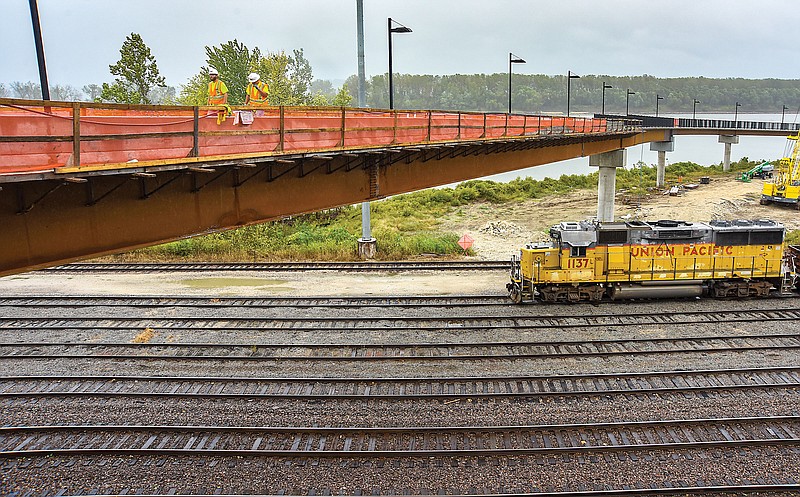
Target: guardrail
{"points": [[39, 135], [729, 124]]}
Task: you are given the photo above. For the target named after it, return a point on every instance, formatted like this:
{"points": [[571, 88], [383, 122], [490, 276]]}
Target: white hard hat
{"points": [[213, 71], [253, 77]]}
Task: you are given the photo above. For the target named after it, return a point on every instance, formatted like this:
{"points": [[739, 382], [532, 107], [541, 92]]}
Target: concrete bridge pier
{"points": [[662, 148], [607, 163], [728, 140]]}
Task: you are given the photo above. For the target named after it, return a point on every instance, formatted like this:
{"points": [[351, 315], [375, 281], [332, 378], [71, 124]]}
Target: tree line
{"points": [[138, 80], [542, 93], [291, 82]]}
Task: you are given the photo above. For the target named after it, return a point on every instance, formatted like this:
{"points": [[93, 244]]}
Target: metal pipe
{"points": [[391, 87], [37, 38], [362, 91]]}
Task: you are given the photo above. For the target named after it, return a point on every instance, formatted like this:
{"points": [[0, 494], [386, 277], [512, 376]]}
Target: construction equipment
{"points": [[761, 171], [785, 186]]}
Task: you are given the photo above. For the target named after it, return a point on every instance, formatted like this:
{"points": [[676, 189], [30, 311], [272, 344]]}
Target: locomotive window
{"points": [[612, 236], [578, 252], [766, 237], [732, 238]]}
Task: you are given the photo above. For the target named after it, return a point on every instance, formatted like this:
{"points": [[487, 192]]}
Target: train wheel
{"points": [[515, 293]]}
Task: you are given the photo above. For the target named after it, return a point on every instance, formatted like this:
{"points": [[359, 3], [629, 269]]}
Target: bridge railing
{"points": [[38, 135], [730, 124]]}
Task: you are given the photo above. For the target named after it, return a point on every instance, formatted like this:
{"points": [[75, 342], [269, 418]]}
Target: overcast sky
{"points": [[712, 38]]}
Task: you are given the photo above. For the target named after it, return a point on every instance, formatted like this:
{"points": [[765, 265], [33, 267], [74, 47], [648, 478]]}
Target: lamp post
{"points": [[736, 115], [399, 29], [694, 109], [603, 101], [570, 77], [658, 97], [783, 114], [628, 100], [512, 59], [37, 38]]}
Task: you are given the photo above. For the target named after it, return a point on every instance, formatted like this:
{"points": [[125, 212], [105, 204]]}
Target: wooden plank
{"points": [[76, 134]]}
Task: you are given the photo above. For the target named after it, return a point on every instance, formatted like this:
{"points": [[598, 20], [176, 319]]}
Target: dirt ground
{"points": [[499, 230]]}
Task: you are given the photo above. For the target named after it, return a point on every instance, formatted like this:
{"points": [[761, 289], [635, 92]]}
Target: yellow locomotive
{"points": [[589, 261]]}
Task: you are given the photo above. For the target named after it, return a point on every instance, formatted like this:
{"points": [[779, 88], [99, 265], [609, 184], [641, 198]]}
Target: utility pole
{"points": [[367, 246], [37, 38]]}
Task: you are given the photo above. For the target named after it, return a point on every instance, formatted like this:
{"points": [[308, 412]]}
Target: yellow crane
{"points": [[785, 185]]}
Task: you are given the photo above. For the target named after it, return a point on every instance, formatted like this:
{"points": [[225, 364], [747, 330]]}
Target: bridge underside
{"points": [[63, 218]]}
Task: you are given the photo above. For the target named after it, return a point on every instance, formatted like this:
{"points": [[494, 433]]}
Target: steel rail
{"points": [[402, 388], [281, 266], [493, 322], [764, 489], [253, 302], [375, 351], [395, 442]]}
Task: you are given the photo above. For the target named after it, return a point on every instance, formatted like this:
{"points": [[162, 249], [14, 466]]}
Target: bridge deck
{"points": [[71, 137]]}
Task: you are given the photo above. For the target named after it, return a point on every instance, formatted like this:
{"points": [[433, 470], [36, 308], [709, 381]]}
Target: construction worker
{"points": [[257, 91], [217, 91]]}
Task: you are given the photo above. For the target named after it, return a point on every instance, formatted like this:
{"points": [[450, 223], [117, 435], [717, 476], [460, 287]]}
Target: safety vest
{"points": [[216, 92], [255, 95]]}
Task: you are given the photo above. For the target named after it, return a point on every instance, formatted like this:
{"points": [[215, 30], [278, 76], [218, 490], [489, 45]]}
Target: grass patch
{"points": [[406, 226]]}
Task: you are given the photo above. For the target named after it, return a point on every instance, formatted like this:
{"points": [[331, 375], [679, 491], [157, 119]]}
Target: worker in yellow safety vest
{"points": [[257, 91], [217, 91]]}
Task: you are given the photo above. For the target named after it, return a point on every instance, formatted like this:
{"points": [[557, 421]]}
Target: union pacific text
{"points": [[679, 250]]}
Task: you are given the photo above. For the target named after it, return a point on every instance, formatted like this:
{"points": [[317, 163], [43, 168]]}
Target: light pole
{"points": [[658, 97], [628, 100], [603, 101], [736, 115], [512, 59], [570, 77], [694, 109], [399, 29], [37, 39], [783, 113]]}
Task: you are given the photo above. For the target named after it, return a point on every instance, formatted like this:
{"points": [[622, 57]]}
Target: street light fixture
{"points": [[736, 115], [512, 59], [783, 114], [399, 29], [628, 100], [658, 97], [570, 77], [694, 109], [603, 101]]}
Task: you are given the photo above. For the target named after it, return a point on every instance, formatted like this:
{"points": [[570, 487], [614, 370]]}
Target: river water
{"points": [[704, 150]]}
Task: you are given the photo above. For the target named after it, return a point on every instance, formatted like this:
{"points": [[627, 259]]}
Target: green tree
{"points": [[343, 97], [136, 71], [92, 91], [195, 91], [234, 61]]}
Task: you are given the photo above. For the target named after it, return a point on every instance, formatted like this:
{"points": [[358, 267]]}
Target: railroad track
{"points": [[399, 323], [392, 352], [701, 382], [406, 442], [116, 267], [582, 490], [50, 301]]}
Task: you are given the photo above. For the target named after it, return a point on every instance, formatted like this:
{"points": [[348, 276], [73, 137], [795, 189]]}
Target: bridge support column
{"points": [[728, 140], [662, 148], [607, 163]]}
